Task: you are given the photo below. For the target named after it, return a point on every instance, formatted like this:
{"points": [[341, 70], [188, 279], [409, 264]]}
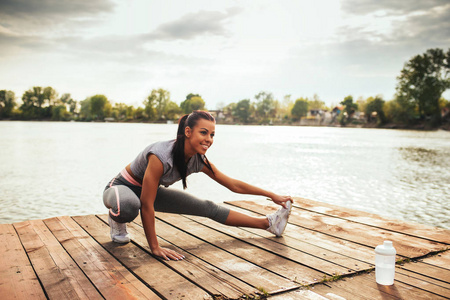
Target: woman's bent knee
{"points": [[123, 204]]}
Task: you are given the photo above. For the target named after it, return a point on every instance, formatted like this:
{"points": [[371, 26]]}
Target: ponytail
{"points": [[189, 120], [178, 150]]}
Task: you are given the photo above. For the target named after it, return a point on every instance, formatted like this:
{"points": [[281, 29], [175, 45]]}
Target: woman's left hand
{"points": [[281, 200]]}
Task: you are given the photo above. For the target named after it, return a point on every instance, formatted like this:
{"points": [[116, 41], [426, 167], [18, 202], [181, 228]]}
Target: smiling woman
{"points": [[143, 185]]}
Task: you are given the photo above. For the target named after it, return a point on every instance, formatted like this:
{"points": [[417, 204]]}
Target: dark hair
{"points": [[189, 120]]}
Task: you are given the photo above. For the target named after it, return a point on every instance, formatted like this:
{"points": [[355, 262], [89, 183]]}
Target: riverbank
{"points": [[420, 127]]}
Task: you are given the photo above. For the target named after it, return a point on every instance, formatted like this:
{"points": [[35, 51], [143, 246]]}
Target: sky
{"points": [[226, 51]]}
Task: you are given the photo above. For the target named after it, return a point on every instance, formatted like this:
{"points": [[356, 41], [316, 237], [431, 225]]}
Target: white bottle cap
{"points": [[385, 249]]}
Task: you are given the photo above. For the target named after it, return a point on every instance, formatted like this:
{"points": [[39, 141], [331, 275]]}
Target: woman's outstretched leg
{"points": [[274, 223], [236, 218], [176, 201]]}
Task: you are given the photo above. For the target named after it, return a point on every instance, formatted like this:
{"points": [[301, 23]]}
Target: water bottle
{"points": [[385, 263]]}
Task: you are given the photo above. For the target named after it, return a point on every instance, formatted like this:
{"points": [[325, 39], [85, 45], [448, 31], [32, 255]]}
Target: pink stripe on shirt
{"points": [[128, 178]]}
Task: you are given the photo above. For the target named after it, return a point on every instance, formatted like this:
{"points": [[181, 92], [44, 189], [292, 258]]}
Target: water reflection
{"points": [[424, 179], [420, 155]]}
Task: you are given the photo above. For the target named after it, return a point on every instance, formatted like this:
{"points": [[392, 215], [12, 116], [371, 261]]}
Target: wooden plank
{"points": [[415, 229], [58, 273], [347, 289], [323, 293], [427, 270], [399, 289], [17, 277], [441, 260], [322, 241], [302, 294], [405, 245], [233, 265], [365, 287], [207, 276], [160, 277], [112, 279], [429, 284], [274, 261]]}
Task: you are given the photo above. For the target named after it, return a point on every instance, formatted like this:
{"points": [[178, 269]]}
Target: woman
{"points": [[140, 186]]}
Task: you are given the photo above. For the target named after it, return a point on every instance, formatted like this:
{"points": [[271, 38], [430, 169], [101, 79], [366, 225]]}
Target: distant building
{"points": [[219, 115]]}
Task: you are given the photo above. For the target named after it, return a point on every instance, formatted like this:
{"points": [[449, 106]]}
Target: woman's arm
{"points": [[150, 185], [241, 187]]}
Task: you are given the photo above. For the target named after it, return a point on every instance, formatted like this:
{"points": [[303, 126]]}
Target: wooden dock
{"points": [[327, 252]]}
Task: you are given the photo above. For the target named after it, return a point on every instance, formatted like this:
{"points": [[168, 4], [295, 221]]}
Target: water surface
{"points": [[54, 168]]}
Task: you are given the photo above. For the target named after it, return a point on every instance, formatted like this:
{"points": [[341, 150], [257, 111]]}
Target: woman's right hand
{"points": [[167, 253]]}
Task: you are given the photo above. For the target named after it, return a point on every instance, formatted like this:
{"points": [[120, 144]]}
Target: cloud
{"points": [[431, 28], [15, 38], [41, 17], [52, 8], [192, 25], [34, 26], [418, 24], [363, 7], [12, 44]]}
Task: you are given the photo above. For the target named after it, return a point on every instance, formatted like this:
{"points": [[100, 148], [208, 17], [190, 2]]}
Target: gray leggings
{"points": [[123, 200]]}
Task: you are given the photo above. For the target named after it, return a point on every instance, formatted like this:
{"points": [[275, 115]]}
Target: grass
{"points": [[334, 277]]}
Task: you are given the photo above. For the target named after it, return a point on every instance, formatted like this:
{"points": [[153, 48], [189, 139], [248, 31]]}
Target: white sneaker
{"points": [[118, 231], [279, 219]]}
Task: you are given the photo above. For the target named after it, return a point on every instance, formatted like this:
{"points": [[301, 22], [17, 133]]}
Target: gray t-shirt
{"points": [[163, 150]]}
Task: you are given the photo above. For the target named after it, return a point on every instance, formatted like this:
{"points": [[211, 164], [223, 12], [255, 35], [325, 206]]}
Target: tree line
{"points": [[418, 100]]}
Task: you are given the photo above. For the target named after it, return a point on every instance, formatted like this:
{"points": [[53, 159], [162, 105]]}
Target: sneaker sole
{"points": [[115, 240]]}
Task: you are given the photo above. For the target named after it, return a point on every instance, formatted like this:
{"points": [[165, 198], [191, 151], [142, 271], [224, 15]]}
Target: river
{"points": [[55, 168]]}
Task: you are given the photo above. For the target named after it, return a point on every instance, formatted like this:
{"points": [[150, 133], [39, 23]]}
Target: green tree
{"points": [[172, 111], [197, 103], [242, 111], [375, 105], [37, 102], [139, 113], [85, 110], [159, 98], [7, 103], [285, 108], [130, 113], [401, 111], [192, 102], [444, 103], [349, 109], [120, 111], [60, 113], [423, 80], [229, 109], [300, 109], [95, 108], [149, 108], [67, 100], [99, 107], [316, 103], [265, 106]]}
